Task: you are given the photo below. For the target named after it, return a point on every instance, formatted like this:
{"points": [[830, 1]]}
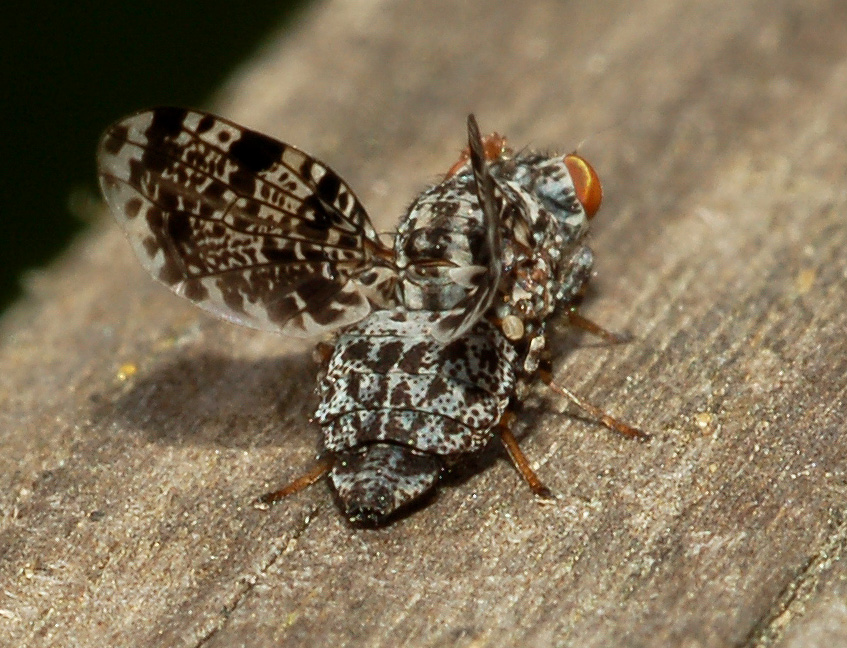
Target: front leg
{"points": [[580, 322]]}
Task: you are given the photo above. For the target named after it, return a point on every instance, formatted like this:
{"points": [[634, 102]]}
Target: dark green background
{"points": [[69, 69]]}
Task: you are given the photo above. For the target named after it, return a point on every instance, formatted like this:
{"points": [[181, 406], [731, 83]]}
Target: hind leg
{"points": [[518, 458], [304, 481]]}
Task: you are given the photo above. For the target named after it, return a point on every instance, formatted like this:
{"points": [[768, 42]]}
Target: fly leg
{"points": [[518, 458], [592, 410], [304, 481], [321, 354], [580, 322]]}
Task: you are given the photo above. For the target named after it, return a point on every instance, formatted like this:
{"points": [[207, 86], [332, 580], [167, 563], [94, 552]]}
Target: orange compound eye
{"points": [[585, 182]]}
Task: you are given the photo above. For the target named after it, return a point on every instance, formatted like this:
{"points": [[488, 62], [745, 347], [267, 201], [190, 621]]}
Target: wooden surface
{"points": [[719, 129]]}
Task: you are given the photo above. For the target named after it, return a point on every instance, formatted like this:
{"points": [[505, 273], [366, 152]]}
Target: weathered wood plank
{"points": [[718, 128]]}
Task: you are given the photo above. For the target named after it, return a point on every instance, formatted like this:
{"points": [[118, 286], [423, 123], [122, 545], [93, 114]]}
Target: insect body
{"points": [[435, 337], [396, 403]]}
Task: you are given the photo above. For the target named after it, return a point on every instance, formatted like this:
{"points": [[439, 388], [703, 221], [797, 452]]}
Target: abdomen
{"points": [[396, 404]]}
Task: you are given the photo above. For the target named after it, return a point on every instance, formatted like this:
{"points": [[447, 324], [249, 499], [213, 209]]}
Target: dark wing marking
{"points": [[248, 228], [484, 276]]}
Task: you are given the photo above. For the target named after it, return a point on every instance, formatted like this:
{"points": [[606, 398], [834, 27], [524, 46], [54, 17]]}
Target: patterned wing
{"points": [[248, 228], [485, 276]]}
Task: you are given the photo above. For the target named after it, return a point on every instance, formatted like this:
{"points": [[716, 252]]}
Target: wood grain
{"points": [[135, 431]]}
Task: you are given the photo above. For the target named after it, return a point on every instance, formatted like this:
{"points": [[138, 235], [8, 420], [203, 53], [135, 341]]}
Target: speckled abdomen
{"points": [[396, 404]]}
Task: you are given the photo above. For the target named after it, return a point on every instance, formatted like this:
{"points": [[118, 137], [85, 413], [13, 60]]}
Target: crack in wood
{"points": [[249, 582], [790, 603]]}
